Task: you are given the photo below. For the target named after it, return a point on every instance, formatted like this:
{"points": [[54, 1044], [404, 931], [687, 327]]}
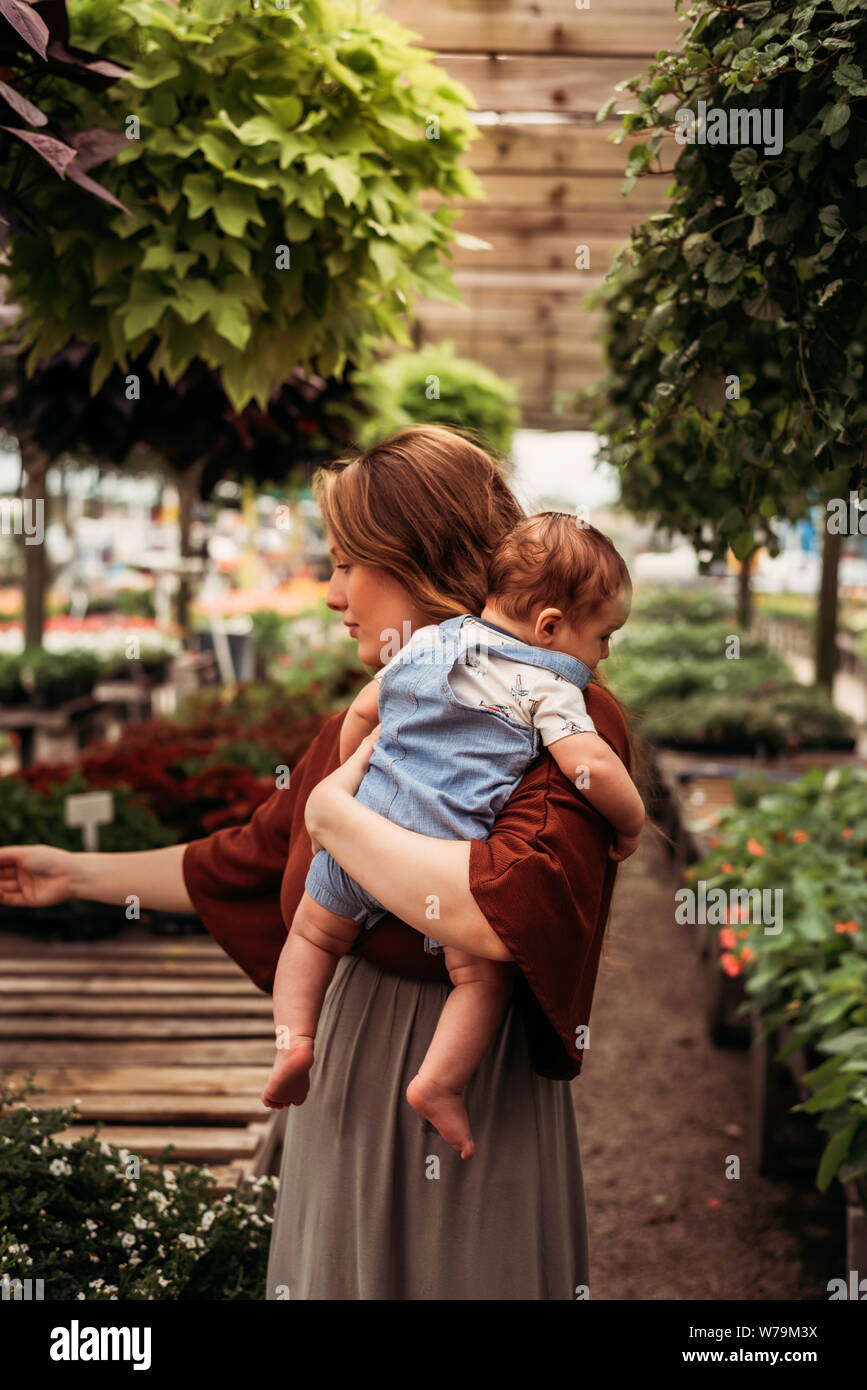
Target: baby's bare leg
{"points": [[316, 941], [471, 1016]]}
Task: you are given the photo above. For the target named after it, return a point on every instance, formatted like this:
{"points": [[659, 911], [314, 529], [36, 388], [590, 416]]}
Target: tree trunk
{"points": [[826, 617], [187, 484], [745, 595], [34, 497]]}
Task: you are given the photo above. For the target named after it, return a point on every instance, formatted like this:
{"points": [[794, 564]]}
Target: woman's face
{"points": [[377, 609]]}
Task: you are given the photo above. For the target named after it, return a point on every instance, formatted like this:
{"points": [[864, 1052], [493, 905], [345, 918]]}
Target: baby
{"points": [[463, 706]]}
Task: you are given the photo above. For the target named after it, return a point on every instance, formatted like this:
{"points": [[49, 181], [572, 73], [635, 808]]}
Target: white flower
{"points": [[188, 1241], [34, 1150], [115, 1206], [163, 1283], [127, 1239], [81, 1295], [139, 1222], [96, 1283], [207, 1220], [59, 1168], [135, 1259], [13, 1249], [91, 1225]]}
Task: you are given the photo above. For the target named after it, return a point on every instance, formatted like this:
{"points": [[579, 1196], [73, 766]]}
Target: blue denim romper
{"points": [[439, 766]]}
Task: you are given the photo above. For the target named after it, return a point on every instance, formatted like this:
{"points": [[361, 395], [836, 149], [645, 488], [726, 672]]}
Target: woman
{"points": [[372, 1204]]}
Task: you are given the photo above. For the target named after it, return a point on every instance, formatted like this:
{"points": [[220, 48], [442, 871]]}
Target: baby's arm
{"points": [[587, 760], [361, 719]]}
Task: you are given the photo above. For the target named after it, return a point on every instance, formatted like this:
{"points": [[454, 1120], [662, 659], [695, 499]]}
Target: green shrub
{"points": [[692, 695], [397, 392], [71, 1216], [809, 840], [683, 605]]}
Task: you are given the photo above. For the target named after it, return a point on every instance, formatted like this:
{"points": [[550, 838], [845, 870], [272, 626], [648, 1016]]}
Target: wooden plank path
{"points": [[163, 1041]]}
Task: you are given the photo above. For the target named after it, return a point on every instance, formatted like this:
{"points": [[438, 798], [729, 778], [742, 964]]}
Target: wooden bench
{"points": [[164, 1041]]}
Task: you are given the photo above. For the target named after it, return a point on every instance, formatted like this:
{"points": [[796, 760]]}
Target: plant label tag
{"points": [[89, 810]]}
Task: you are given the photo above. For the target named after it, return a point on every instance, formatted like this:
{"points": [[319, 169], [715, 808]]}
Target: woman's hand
{"points": [[343, 781], [35, 875]]}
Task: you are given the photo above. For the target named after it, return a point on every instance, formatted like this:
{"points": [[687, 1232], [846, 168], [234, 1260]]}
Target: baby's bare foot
{"points": [[289, 1081], [446, 1112]]}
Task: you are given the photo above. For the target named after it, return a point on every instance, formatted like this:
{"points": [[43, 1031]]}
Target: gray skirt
{"points": [[373, 1204]]}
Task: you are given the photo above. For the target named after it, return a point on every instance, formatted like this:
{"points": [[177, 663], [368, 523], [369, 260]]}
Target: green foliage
{"points": [[30, 816], [674, 672], [71, 1216], [305, 129], [756, 271], [683, 606], [809, 840], [434, 386]]}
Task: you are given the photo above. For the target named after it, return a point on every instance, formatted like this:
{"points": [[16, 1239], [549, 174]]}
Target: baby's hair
{"points": [[554, 559]]}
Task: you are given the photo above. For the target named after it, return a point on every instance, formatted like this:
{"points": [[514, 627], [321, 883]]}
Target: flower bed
{"points": [[70, 1216], [807, 839]]}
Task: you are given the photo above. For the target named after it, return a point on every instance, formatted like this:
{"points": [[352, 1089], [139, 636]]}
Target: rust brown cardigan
{"points": [[542, 879]]}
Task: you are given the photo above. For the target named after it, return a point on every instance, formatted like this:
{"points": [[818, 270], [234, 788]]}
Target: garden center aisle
{"points": [[659, 1107]]}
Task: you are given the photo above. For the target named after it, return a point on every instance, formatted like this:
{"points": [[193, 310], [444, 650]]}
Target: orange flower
{"points": [[727, 868], [730, 963], [727, 938], [746, 954], [713, 842], [800, 836], [847, 833], [754, 847], [850, 926], [742, 933]]}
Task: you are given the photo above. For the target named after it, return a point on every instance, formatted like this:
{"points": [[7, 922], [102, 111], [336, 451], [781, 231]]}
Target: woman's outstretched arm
{"points": [[40, 875], [423, 880]]}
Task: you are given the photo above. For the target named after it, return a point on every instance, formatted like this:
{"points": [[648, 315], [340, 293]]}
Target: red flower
{"points": [[727, 938], [800, 836], [847, 833], [754, 847], [746, 954], [727, 868], [730, 963]]}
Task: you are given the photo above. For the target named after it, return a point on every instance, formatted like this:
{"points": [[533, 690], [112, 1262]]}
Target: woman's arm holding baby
{"points": [[361, 719], [587, 760], [422, 880]]}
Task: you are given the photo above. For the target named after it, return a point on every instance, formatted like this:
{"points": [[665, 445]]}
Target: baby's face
{"points": [[589, 640]]}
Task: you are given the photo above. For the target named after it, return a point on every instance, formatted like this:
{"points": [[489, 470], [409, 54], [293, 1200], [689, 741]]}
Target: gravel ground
{"points": [[659, 1108]]}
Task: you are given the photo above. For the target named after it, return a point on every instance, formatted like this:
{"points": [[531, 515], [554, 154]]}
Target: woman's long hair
{"points": [[428, 505]]}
